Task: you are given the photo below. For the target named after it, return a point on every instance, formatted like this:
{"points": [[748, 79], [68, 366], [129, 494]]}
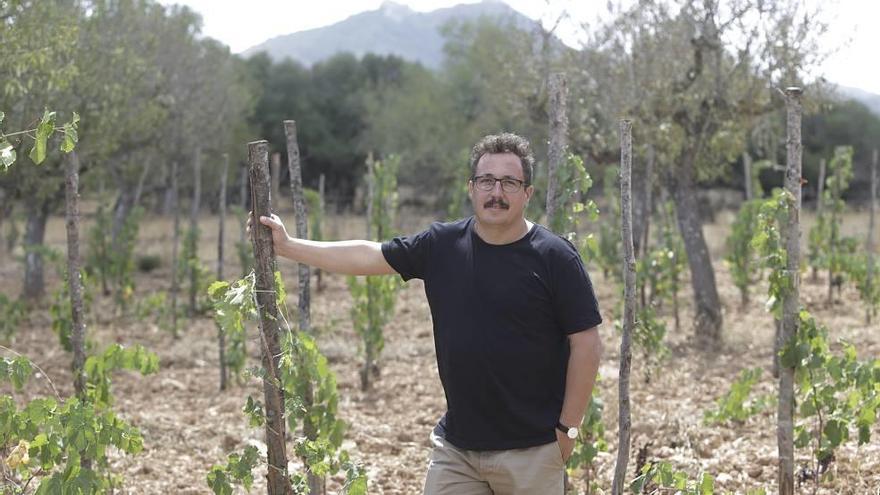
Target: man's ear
{"points": [[529, 191]]}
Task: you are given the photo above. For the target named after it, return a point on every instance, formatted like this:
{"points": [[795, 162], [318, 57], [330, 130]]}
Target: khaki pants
{"points": [[531, 471]]}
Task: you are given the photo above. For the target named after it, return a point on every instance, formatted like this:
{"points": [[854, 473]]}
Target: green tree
{"points": [[694, 74]]}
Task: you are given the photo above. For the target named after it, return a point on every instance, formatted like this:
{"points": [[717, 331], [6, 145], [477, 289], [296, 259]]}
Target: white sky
{"points": [[854, 32]]}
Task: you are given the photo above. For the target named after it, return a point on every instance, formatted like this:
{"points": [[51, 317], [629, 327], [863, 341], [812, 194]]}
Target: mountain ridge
{"points": [[392, 29]]}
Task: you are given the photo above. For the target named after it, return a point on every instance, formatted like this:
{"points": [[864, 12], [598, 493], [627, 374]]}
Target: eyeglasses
{"points": [[487, 183]]}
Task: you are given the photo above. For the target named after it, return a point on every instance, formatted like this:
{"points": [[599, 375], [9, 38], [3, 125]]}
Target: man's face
{"points": [[498, 207]]}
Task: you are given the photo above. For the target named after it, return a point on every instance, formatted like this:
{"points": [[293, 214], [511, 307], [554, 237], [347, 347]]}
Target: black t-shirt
{"points": [[501, 316]]}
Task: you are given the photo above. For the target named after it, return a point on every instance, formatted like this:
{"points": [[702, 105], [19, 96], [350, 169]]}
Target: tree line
{"points": [[697, 79]]}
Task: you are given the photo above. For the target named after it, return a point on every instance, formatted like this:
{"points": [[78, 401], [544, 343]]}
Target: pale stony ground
{"points": [[189, 425]]}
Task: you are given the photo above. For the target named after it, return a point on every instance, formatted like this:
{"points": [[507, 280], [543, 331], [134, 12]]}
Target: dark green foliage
{"points": [[113, 261], [662, 475], [591, 441], [573, 184], [839, 122], [60, 310], [316, 214], [191, 269], [41, 134], [375, 297], [329, 102], [16, 371], [834, 392], [238, 469], [311, 400], [50, 438], [155, 306], [233, 306], [744, 268], [148, 262], [826, 247], [12, 312], [735, 405], [607, 252]]}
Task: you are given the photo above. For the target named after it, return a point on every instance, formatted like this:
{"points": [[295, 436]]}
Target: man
{"points": [[515, 320]]}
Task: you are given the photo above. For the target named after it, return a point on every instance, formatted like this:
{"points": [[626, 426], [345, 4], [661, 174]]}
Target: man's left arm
{"points": [[583, 365]]}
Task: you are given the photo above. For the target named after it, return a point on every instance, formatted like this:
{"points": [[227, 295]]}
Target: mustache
{"points": [[496, 202]]}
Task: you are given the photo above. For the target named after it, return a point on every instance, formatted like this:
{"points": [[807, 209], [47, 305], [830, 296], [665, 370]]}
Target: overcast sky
{"points": [[854, 34]]}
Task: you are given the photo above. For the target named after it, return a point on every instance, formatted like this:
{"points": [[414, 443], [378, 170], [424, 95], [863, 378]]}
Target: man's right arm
{"points": [[345, 257]]}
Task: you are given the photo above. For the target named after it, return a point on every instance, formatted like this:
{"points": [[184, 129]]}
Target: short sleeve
{"points": [[409, 255], [574, 300]]}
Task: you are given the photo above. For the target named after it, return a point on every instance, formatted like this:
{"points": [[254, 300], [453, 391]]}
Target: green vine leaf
{"points": [[7, 155], [44, 130], [71, 137]]}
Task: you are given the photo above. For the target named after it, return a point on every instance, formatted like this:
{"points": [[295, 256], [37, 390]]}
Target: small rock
{"points": [[755, 472], [171, 382], [404, 437]]}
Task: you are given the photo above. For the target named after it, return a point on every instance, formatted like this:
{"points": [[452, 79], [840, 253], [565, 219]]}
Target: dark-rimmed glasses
{"points": [[487, 183]]}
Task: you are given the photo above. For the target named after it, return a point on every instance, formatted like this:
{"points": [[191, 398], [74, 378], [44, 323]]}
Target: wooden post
{"points": [[139, 190], [74, 277], [647, 209], [629, 278], [321, 212], [832, 240], [193, 231], [820, 190], [221, 231], [175, 241], [558, 136], [302, 220], [316, 483], [278, 482], [870, 244], [790, 301], [371, 199], [74, 280], [276, 177]]}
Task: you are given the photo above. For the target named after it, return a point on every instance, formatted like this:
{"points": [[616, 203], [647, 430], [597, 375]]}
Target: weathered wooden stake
{"points": [[278, 482], [558, 91], [647, 210], [74, 277], [832, 242], [629, 279], [302, 220], [321, 211], [310, 430], [221, 231], [175, 242], [194, 228], [276, 177], [74, 280], [820, 190], [369, 358], [791, 299]]}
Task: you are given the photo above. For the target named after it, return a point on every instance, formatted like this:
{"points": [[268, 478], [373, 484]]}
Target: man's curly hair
{"points": [[505, 142]]}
